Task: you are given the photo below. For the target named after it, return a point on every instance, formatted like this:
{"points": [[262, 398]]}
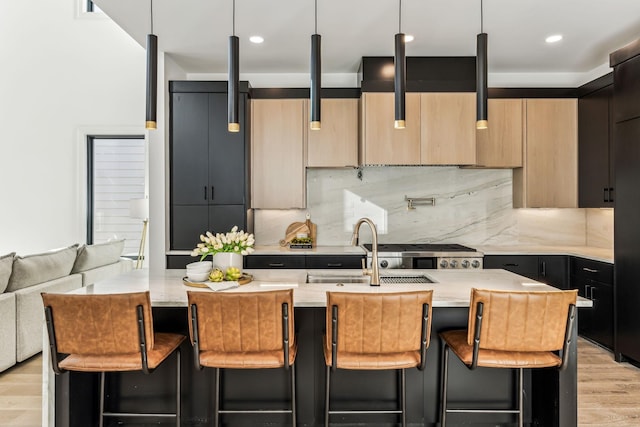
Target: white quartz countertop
{"points": [[452, 288], [590, 252]]}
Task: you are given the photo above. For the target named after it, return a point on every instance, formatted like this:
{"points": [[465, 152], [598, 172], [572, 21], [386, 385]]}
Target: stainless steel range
{"points": [[425, 256]]}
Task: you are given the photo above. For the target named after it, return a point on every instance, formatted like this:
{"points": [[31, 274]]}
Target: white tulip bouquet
{"points": [[234, 241]]}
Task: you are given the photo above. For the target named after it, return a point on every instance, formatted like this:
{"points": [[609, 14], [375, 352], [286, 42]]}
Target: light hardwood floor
{"points": [[608, 392]]}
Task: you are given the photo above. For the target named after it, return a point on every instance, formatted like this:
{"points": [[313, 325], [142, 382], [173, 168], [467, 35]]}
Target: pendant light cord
{"points": [[151, 16], [399, 16], [233, 30], [316, 16], [481, 17]]}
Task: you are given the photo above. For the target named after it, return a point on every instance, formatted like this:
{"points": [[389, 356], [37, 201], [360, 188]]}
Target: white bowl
{"points": [[200, 269], [198, 277], [200, 265]]}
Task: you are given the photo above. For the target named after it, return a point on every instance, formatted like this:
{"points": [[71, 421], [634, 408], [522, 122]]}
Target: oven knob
{"points": [[475, 263], [454, 263], [444, 263], [465, 263], [384, 263]]}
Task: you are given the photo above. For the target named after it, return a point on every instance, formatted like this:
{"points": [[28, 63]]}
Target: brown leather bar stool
{"points": [[367, 331], [108, 333], [509, 329], [252, 330]]}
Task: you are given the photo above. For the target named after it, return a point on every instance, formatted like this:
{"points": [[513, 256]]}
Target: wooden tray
{"points": [[243, 280]]}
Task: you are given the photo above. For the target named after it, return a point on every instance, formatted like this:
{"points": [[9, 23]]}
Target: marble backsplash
{"points": [[472, 207]]}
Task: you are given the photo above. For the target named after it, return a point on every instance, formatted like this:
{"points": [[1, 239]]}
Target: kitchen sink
{"points": [[345, 278]]}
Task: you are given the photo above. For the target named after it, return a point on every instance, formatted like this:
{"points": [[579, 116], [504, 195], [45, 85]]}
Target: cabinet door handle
{"points": [[589, 270], [587, 291], [276, 264], [205, 192], [510, 265], [543, 269], [212, 193], [611, 194], [605, 197], [334, 264]]}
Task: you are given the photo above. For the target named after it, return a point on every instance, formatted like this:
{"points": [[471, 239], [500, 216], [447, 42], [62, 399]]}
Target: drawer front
{"points": [[524, 265], [593, 270], [274, 261], [334, 261]]}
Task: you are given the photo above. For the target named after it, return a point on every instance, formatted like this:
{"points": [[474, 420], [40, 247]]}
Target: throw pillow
{"points": [[93, 256], [6, 262], [38, 268]]}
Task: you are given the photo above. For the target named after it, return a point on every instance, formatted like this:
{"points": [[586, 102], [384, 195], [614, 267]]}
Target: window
{"points": [[116, 174]]}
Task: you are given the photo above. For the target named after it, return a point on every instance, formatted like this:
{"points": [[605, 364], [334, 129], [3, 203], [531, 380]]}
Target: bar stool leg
{"points": [[520, 397], [178, 391], [293, 394], [403, 397], [443, 385], [216, 399], [326, 397], [101, 422]]}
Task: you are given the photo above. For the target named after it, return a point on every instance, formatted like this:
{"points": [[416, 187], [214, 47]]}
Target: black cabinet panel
{"points": [[222, 218], [189, 154], [274, 261], [627, 90], [595, 149], [550, 269], [187, 224], [334, 261]]}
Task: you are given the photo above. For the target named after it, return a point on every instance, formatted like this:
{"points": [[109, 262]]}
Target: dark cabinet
{"points": [[304, 261], [550, 269], [208, 165], [596, 166], [594, 281], [626, 89]]}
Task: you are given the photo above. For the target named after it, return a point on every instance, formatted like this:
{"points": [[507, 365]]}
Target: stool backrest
{"points": [[379, 323], [241, 321], [520, 321], [99, 324]]}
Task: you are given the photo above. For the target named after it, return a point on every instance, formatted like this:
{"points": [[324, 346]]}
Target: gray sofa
{"points": [[22, 279]]}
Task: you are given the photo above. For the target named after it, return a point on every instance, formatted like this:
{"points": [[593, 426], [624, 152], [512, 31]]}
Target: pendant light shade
{"points": [[400, 82], [316, 75], [400, 76], [232, 89], [152, 77], [316, 72], [481, 77]]}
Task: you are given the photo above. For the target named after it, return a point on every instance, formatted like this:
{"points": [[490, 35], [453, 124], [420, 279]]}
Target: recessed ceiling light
{"points": [[256, 39], [408, 38], [554, 38]]}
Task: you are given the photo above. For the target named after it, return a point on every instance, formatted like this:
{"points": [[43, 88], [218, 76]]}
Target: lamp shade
{"points": [[139, 208], [316, 81], [481, 82], [152, 80], [400, 81], [232, 88]]}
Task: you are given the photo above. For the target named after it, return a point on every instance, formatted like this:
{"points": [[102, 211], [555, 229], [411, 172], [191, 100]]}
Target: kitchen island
{"points": [[550, 395]]}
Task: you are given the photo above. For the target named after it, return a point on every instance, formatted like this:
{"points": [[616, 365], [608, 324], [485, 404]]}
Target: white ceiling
{"points": [[195, 32]]}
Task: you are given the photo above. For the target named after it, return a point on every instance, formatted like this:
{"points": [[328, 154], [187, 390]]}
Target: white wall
{"points": [[62, 75]]}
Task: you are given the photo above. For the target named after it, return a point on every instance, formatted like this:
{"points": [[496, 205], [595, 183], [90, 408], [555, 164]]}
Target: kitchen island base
{"points": [[550, 395]]}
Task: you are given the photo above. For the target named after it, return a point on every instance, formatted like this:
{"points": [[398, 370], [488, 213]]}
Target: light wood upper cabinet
{"points": [[381, 143], [336, 143], [500, 145], [278, 152], [448, 133], [549, 176]]}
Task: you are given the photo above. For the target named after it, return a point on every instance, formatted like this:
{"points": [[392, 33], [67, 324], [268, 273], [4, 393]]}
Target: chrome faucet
{"points": [[374, 272]]}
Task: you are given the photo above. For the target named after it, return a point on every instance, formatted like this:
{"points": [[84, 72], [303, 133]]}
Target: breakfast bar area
{"points": [[550, 396]]}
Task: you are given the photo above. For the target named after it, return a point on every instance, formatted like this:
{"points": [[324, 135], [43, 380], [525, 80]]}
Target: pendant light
{"points": [[234, 77], [400, 78], [481, 76], [316, 75], [152, 76]]}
